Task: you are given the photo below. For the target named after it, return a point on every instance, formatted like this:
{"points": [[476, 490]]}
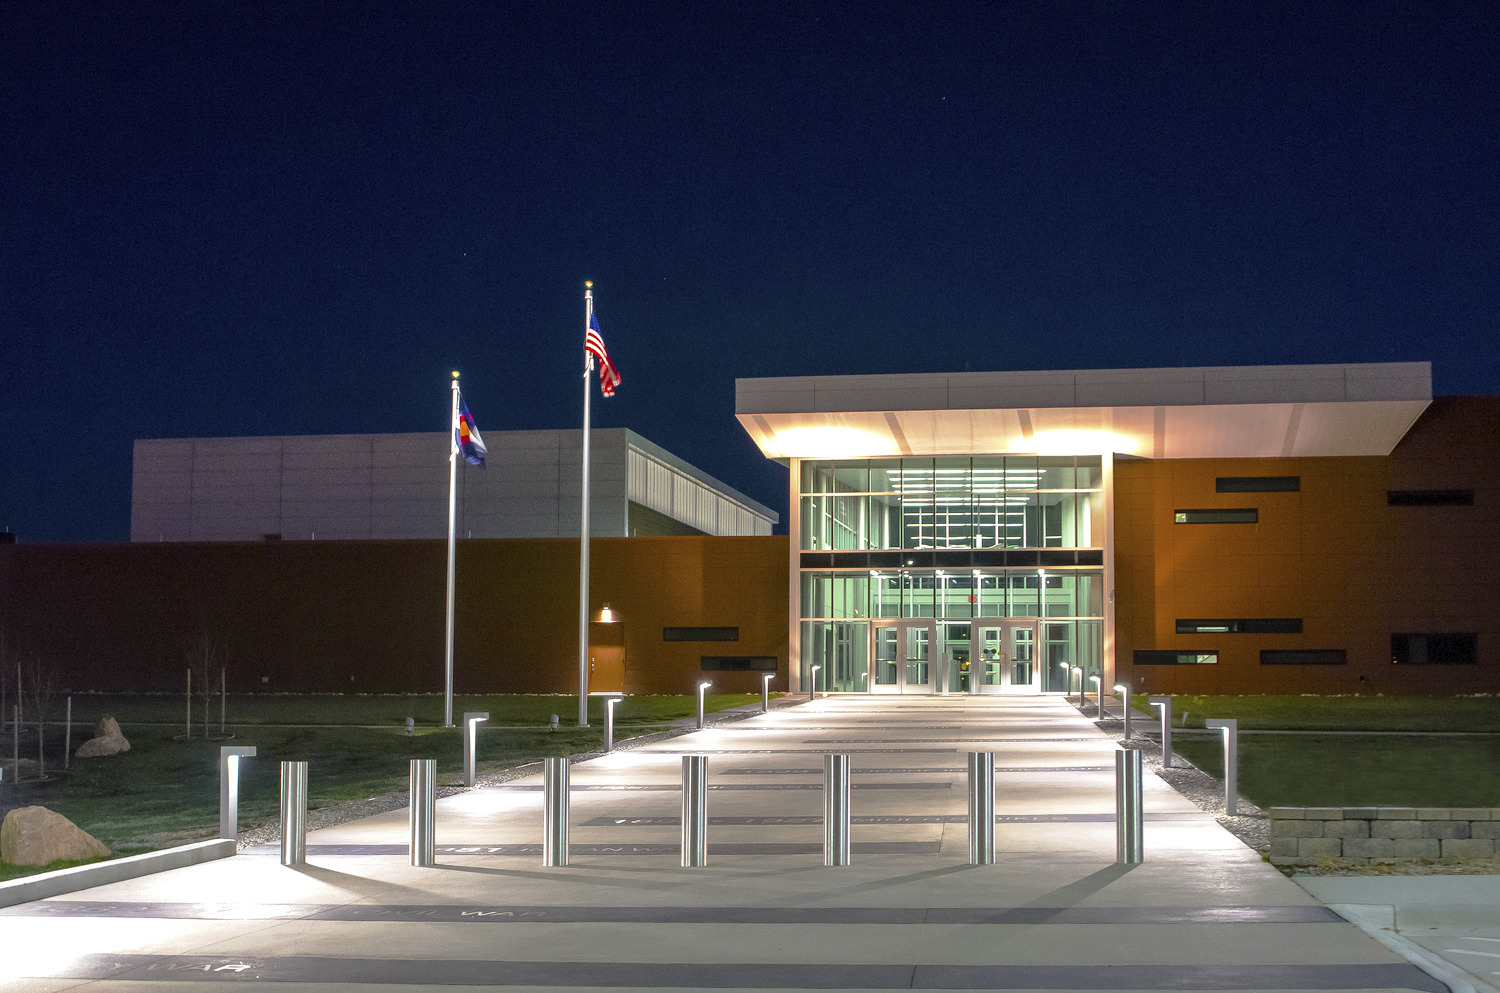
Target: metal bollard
{"points": [[812, 692], [229, 787], [555, 811], [694, 810], [293, 813], [835, 810], [1098, 697], [981, 808], [471, 734], [1130, 817], [1076, 671], [423, 811], [702, 688], [765, 692], [609, 722], [1164, 704], [1124, 690], [1231, 728]]}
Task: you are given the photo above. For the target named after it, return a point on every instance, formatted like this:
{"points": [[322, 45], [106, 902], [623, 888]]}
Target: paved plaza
{"points": [[1054, 913]]}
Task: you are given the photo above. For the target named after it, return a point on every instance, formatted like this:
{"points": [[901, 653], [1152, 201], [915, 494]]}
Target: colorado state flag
{"points": [[466, 437]]}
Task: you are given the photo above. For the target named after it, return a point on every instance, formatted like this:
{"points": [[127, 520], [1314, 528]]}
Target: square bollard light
{"points": [[765, 692], [702, 688], [1231, 728], [1164, 704], [471, 735], [1098, 696], [1124, 690], [812, 683], [609, 721], [229, 787], [1078, 671]]}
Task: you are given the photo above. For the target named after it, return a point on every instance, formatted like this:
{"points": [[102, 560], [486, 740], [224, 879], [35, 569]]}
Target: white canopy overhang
{"points": [[1214, 412]]}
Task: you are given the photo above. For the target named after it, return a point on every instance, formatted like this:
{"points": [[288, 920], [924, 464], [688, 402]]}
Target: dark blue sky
{"points": [[231, 218]]}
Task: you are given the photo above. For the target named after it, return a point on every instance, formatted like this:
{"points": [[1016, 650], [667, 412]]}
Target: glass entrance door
{"points": [[1006, 657], [903, 659]]}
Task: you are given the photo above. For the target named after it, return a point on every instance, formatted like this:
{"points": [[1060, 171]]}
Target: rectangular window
{"points": [[1225, 515], [1175, 658], [1429, 498], [1239, 625], [1258, 484], [700, 634], [739, 663], [1304, 656], [1434, 649]]}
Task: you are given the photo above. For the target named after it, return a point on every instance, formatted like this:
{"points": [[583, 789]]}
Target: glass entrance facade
{"points": [[964, 574]]}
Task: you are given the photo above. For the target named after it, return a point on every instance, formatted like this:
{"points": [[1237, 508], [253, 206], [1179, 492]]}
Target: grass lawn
{"points": [[165, 791], [1352, 769]]}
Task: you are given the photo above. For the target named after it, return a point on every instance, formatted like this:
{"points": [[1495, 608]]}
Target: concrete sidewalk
{"points": [[1055, 913]]}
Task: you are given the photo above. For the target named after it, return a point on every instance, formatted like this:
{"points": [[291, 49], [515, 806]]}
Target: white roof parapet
{"points": [[1205, 412]]}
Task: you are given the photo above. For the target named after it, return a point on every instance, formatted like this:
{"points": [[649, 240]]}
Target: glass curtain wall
{"points": [[977, 504]]}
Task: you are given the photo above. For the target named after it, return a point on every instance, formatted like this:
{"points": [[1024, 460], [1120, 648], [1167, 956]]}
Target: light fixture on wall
{"points": [[606, 615]]}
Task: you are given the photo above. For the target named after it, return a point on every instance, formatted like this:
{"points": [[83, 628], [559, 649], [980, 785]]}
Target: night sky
{"points": [[241, 218]]}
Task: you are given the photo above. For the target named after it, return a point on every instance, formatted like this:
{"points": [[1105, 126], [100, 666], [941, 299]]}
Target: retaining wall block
{"points": [[1324, 813], [1361, 813], [1485, 829], [1467, 848], [1445, 829], [1315, 848], [1369, 848], [1283, 848], [1434, 814], [1296, 829], [1287, 813], [1417, 848], [1395, 829], [1473, 813], [1397, 813], [1346, 829]]}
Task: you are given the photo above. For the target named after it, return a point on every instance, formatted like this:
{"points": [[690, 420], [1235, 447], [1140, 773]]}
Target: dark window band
{"points": [[1258, 484], [1304, 656], [1429, 498], [700, 634], [1175, 658], [1434, 649], [1239, 625], [1224, 515], [739, 663]]}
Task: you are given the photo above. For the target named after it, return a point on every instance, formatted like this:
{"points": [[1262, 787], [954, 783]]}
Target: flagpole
{"points": [[452, 560], [583, 542]]}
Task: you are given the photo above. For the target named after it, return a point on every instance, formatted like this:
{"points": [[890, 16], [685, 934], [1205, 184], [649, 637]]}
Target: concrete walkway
{"points": [[1055, 913]]}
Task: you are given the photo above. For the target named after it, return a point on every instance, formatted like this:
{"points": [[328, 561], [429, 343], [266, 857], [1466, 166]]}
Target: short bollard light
{"points": [[812, 689], [1164, 704], [1098, 695], [423, 815], [1231, 728], [694, 811], [702, 689], [1078, 671], [229, 787], [609, 721], [835, 810], [471, 735], [765, 692], [1124, 690], [293, 813], [555, 811], [1130, 818]]}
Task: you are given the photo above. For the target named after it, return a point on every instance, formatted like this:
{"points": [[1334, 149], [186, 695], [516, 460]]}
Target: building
{"points": [[1246, 529], [395, 486]]}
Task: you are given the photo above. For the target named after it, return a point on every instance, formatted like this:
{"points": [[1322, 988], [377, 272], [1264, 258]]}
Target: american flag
{"points": [[593, 344]]}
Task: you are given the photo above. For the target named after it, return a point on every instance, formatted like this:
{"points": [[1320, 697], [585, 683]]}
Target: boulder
{"points": [[36, 836], [107, 740]]}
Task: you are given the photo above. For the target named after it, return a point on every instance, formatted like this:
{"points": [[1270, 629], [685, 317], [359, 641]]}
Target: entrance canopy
{"points": [[1194, 413]]}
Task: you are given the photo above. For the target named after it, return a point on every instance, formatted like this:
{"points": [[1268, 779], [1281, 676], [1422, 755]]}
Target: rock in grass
{"points": [[107, 740], [36, 836]]}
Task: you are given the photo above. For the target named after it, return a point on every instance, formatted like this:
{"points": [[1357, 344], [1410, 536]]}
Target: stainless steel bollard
{"points": [[229, 787], [835, 810], [293, 813], [1164, 704], [694, 810], [555, 811], [1231, 728], [423, 812], [1130, 816], [981, 808]]}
